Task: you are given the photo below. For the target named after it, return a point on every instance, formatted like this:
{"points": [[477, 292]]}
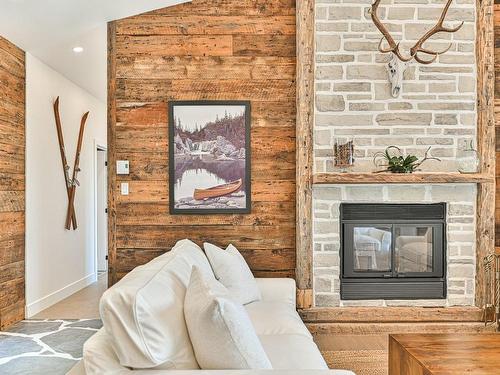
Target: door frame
{"points": [[98, 146]]}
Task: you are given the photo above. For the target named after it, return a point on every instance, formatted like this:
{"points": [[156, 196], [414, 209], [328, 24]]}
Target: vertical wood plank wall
{"points": [[207, 49], [12, 182]]}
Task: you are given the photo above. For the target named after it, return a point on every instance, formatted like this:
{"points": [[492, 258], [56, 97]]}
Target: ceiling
{"points": [[50, 29]]}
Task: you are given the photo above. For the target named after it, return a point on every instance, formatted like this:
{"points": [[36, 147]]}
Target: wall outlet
{"points": [[122, 167], [124, 188]]}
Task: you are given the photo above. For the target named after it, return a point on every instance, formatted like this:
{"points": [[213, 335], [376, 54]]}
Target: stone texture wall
{"points": [[437, 104], [461, 238]]}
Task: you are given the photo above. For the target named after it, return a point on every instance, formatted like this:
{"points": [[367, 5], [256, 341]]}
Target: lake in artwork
{"points": [[209, 147]]}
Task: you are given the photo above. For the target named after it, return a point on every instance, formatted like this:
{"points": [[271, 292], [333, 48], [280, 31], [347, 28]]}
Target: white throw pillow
{"points": [[221, 332], [143, 314], [231, 269]]}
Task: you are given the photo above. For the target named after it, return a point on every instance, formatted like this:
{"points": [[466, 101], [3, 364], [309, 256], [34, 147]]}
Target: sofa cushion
{"points": [[276, 318], [287, 352], [144, 314], [231, 269], [221, 332]]}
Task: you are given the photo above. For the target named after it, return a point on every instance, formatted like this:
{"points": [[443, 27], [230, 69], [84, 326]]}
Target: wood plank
{"points": [[397, 178], [485, 229], [8, 48], [11, 201], [194, 45], [193, 24], [304, 143], [206, 67], [231, 7], [264, 114], [392, 314], [394, 328], [11, 181], [264, 45], [112, 120], [165, 90], [265, 260], [243, 237], [263, 214]]}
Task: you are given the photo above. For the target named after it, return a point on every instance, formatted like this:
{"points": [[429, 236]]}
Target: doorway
{"points": [[101, 209]]}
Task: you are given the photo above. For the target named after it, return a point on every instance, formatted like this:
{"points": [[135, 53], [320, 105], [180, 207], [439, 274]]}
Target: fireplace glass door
{"points": [[393, 251], [372, 248]]}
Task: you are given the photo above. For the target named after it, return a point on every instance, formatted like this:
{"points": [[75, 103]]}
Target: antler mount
{"points": [[399, 61]]}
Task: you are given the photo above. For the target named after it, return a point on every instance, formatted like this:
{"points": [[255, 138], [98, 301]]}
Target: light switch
{"points": [[124, 188], [122, 167]]}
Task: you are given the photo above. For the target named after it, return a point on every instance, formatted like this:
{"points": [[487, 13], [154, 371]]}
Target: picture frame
{"points": [[209, 157]]}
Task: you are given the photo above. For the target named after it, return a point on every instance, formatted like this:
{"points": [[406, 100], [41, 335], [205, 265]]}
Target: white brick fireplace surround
{"points": [[437, 108], [461, 238]]}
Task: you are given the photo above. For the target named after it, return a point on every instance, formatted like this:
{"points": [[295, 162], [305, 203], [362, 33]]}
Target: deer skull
{"points": [[398, 63], [396, 69]]}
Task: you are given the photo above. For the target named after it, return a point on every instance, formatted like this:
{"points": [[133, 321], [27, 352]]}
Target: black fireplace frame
{"points": [[391, 285]]}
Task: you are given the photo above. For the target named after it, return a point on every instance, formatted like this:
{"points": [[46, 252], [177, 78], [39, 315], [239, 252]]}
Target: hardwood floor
{"points": [[81, 305]]}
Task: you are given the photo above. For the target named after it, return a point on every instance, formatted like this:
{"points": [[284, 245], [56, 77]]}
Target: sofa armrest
{"points": [[278, 290]]}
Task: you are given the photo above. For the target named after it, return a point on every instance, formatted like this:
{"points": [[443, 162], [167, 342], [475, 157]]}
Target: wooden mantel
{"points": [[400, 178]]}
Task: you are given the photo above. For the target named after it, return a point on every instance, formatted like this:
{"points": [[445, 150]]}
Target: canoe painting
{"points": [[209, 151], [218, 191]]}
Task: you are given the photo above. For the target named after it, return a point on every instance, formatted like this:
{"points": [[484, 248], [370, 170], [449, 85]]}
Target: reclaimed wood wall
{"points": [[204, 50], [12, 151]]}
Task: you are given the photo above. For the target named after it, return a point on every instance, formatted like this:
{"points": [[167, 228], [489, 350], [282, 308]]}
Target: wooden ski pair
{"points": [[71, 183]]}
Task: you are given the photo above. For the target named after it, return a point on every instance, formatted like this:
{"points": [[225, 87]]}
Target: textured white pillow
{"points": [[220, 330], [231, 269], [143, 314]]}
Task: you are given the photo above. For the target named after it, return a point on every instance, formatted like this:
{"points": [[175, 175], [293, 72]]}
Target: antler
{"points": [[393, 46], [436, 29], [426, 157]]}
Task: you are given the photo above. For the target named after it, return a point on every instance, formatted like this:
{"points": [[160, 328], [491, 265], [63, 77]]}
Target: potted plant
{"points": [[395, 161]]}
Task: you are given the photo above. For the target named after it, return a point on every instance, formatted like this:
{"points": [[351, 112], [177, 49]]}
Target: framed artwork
{"points": [[209, 157]]}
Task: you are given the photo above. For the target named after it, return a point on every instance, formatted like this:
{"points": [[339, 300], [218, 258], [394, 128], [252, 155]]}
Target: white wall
{"points": [[58, 262]]}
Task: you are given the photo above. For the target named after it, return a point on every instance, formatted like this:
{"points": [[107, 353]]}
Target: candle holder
{"points": [[343, 153]]}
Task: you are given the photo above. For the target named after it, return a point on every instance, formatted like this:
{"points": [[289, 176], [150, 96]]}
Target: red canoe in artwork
{"points": [[218, 191]]}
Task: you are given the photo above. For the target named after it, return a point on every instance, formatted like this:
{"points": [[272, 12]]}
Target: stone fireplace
{"points": [[450, 262]]}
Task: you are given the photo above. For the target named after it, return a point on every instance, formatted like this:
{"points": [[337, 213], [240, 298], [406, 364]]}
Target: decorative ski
{"points": [[76, 168], [63, 157]]}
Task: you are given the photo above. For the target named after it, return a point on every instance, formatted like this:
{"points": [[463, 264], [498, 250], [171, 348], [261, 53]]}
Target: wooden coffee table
{"points": [[444, 354]]}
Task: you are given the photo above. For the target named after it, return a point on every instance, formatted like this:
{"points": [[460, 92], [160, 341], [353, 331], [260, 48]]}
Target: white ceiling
{"points": [[49, 29]]}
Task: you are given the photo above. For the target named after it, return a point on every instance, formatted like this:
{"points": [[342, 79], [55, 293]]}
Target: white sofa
{"points": [[134, 311]]}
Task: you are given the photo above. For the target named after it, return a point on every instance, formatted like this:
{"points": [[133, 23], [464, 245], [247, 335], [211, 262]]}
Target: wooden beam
{"points": [[485, 139], [401, 178], [391, 314], [112, 277], [305, 124]]}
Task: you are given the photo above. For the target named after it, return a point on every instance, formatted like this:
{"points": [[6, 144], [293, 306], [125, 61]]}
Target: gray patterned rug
{"points": [[44, 346]]}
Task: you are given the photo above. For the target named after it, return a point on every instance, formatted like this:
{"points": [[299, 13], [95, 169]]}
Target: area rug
{"points": [[361, 362], [39, 347]]}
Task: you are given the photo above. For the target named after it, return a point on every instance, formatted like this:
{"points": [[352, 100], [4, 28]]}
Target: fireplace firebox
{"points": [[393, 251]]}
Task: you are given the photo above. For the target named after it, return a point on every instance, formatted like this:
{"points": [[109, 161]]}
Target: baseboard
{"points": [[57, 296]]}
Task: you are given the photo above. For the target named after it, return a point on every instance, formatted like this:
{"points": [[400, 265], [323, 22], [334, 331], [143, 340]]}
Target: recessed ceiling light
{"points": [[78, 49]]}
